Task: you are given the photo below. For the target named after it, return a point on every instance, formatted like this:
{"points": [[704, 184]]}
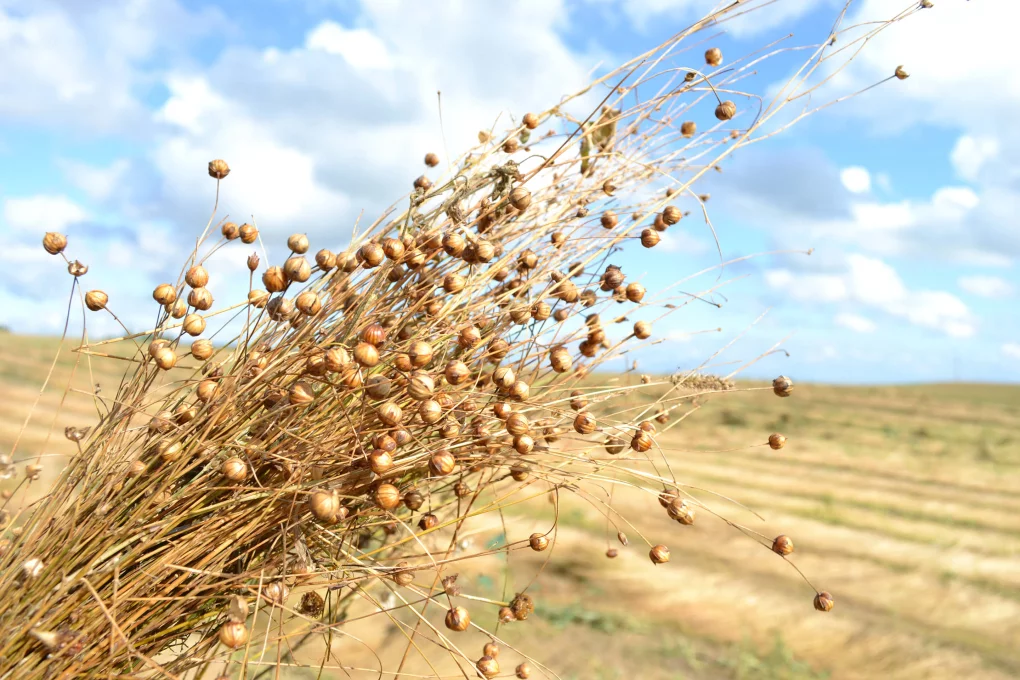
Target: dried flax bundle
{"points": [[237, 502]]}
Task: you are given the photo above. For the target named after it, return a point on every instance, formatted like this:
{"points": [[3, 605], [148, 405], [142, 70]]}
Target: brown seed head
{"points": [[77, 269], [609, 219], [659, 554], [54, 242], [200, 298], [530, 121], [230, 231], [523, 671], [584, 423], [233, 634], [688, 128], [713, 56], [777, 441], [487, 666], [726, 110], [431, 160], [197, 276], [442, 463], [901, 73], [671, 214], [248, 233], [650, 238], [298, 243], [234, 469], [458, 619], [96, 300], [202, 349], [783, 545], [218, 169], [824, 602], [325, 506], [782, 386], [538, 542], [520, 198]]}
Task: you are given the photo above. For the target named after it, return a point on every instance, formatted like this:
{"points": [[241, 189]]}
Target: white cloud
{"points": [[986, 286], [971, 153], [1011, 350], [680, 241], [856, 179], [854, 322], [42, 213], [875, 284], [98, 183], [360, 48], [644, 12]]}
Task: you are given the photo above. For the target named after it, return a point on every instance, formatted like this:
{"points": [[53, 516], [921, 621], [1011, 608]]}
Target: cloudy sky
{"points": [[110, 111]]}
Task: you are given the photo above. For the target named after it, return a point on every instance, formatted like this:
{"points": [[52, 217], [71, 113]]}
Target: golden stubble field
{"points": [[904, 502]]}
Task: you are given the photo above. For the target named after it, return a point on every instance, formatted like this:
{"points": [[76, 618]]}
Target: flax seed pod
{"points": [[202, 349], [538, 542], [584, 423], [671, 215], [324, 506], [523, 444], [688, 128], [54, 242], [230, 231], [233, 634], [280, 309], [387, 496], [650, 238], [635, 292], [901, 73], [258, 298], [559, 359], [442, 463], [234, 469], [296, 268], [517, 424], [487, 666], [642, 330], [164, 294], [609, 219], [641, 441], [197, 277], [782, 386], [782, 545], [248, 233], [428, 521], [530, 121], [520, 198], [200, 298], [713, 56], [325, 260], [371, 255], [454, 283], [300, 393], [308, 303], [165, 358], [420, 386], [366, 354], [96, 300], [454, 244], [523, 671], [77, 269], [726, 110], [298, 243], [456, 372], [458, 619], [824, 602], [380, 461], [390, 413], [777, 441], [659, 554], [193, 324], [511, 145], [431, 160]]}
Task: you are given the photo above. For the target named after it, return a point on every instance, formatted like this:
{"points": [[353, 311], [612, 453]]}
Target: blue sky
{"points": [[908, 194]]}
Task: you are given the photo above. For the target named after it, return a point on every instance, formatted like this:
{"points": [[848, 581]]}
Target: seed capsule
{"points": [[713, 56], [783, 545], [538, 542], [233, 634], [366, 354], [96, 300], [193, 324], [530, 121], [456, 372], [390, 414], [197, 277], [297, 269], [782, 386], [380, 461], [523, 671], [584, 423], [77, 269], [325, 506], [901, 73], [308, 303], [54, 243], [300, 393], [442, 463], [777, 441], [824, 602], [218, 169], [641, 441], [248, 233], [726, 110], [659, 554], [487, 666], [200, 298], [642, 330], [520, 198], [428, 521], [312, 604], [298, 243], [202, 349], [458, 619], [234, 469], [164, 294], [609, 219], [517, 424]]}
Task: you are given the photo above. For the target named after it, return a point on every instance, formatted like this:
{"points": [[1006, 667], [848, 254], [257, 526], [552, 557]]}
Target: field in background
{"points": [[904, 502]]}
